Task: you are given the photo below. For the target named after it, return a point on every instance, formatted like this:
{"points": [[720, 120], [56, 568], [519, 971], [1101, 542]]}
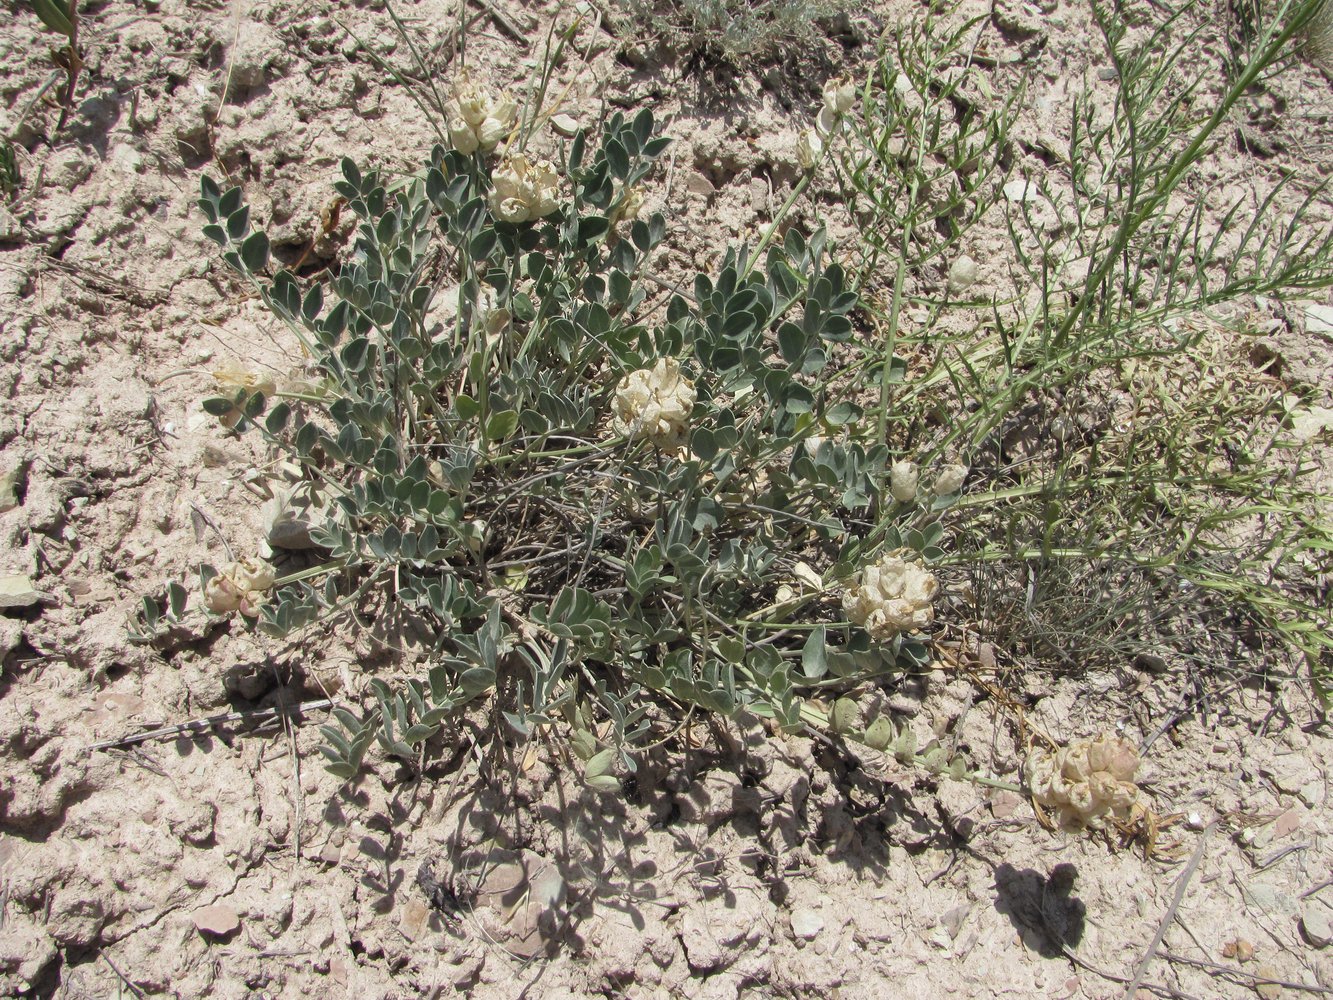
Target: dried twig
{"points": [[133, 989], [1181, 884], [197, 725], [1212, 968], [503, 21]]}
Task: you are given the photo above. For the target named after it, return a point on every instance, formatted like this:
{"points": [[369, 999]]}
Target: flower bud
{"points": [[950, 480], [463, 136], [903, 480]]}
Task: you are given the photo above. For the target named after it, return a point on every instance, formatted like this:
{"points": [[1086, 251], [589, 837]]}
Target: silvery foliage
{"points": [[570, 575]]}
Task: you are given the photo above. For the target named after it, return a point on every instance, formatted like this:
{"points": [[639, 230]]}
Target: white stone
{"points": [[1319, 319], [806, 923], [564, 125], [17, 591], [1317, 926], [1021, 190]]}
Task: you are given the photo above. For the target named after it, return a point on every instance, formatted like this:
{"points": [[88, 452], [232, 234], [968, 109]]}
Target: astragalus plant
{"points": [[611, 508]]}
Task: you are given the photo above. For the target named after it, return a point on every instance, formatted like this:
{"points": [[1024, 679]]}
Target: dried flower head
{"points": [[523, 190], [892, 596], [243, 378], [477, 120], [903, 480], [231, 379], [1086, 783], [239, 587], [654, 403]]}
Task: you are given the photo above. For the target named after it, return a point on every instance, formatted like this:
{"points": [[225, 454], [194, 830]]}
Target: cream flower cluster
{"points": [[892, 597], [654, 403], [1086, 783], [239, 587], [523, 189], [477, 119]]}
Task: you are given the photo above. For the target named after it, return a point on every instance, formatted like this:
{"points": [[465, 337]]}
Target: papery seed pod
{"points": [[962, 275]]}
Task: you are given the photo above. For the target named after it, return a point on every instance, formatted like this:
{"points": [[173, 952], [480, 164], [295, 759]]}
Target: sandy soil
{"points": [[227, 863]]}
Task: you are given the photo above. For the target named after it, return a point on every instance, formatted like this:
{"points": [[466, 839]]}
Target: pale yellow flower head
{"points": [[839, 95], [654, 403], [239, 587], [1088, 783], [523, 190], [477, 119], [629, 206], [891, 597]]}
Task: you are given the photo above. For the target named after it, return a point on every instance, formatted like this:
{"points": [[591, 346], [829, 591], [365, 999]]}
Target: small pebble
{"points": [[564, 125], [216, 919], [1316, 925], [806, 923], [1269, 991]]}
